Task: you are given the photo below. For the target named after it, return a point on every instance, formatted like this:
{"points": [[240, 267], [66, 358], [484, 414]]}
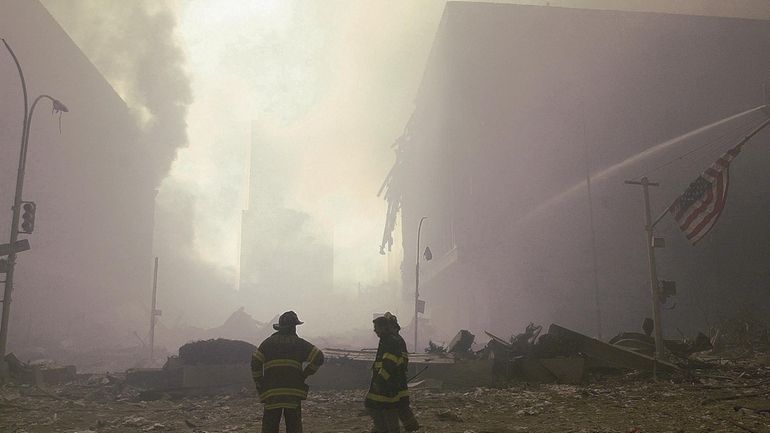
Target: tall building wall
{"points": [[90, 262], [518, 102]]}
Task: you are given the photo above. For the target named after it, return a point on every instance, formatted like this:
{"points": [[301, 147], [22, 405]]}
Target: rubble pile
{"points": [[740, 336], [216, 351], [560, 355], [533, 381], [39, 372]]}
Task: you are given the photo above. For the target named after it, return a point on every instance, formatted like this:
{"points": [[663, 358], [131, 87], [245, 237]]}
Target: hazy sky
{"points": [[333, 81]]}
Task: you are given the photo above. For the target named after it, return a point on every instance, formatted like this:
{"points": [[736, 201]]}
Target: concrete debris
{"points": [[240, 325], [216, 352], [700, 401], [222, 367], [461, 344], [39, 373], [742, 336], [615, 403], [435, 348], [565, 356], [569, 370], [645, 343], [523, 343], [449, 415], [609, 355]]}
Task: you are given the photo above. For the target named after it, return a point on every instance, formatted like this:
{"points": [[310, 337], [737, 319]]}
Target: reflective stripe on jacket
{"points": [[279, 368], [388, 385]]}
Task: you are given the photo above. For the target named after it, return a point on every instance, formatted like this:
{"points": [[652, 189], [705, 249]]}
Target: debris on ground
{"points": [[216, 352], [561, 380], [714, 400], [460, 346], [39, 372], [435, 348]]}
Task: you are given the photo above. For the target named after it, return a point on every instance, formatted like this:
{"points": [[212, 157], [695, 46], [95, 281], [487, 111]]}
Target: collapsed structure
{"points": [[518, 106], [560, 355]]}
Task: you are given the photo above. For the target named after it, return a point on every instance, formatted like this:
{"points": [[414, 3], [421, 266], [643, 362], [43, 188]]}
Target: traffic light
{"points": [[28, 217]]}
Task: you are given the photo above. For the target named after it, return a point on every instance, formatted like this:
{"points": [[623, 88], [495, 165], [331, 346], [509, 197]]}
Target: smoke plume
{"points": [[133, 45]]}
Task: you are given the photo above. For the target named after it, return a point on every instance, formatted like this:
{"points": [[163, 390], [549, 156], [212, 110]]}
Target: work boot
{"points": [[407, 418], [412, 426]]}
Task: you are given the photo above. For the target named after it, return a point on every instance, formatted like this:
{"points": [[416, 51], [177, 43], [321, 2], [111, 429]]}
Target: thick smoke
{"points": [[133, 44], [136, 47]]}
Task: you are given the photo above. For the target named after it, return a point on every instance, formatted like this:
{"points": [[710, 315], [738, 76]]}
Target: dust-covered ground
{"points": [[729, 400]]}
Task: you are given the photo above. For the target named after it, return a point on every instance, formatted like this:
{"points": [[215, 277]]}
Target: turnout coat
{"points": [[280, 366], [388, 386]]}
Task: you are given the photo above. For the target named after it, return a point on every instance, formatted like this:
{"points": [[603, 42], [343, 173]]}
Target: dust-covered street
{"points": [[619, 403]]}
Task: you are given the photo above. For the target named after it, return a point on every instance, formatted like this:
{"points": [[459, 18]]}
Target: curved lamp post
{"points": [[58, 106]]}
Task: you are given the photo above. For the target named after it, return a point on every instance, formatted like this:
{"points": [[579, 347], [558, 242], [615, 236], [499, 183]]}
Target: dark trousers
{"points": [[385, 420], [271, 420]]}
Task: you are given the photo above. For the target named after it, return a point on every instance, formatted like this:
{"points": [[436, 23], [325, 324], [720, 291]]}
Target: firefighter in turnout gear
{"points": [[279, 367], [388, 396]]}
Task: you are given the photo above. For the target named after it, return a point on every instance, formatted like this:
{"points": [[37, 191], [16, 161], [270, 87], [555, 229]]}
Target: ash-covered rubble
{"points": [[730, 398], [563, 355], [509, 385]]}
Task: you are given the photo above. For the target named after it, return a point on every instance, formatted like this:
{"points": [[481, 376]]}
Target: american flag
{"points": [[698, 208]]}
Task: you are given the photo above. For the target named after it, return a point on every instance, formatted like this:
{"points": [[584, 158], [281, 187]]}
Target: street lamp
{"points": [[59, 107], [428, 256]]}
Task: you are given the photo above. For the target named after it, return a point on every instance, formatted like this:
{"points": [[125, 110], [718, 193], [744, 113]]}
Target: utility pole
{"points": [[654, 285], [650, 225], [154, 312]]}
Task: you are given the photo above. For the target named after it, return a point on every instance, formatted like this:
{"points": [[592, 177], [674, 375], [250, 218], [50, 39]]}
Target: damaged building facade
{"points": [[517, 105], [93, 179]]}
